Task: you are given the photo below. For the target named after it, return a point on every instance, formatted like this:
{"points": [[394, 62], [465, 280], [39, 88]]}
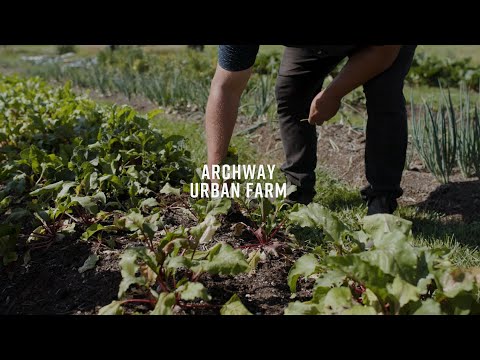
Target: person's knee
{"points": [[228, 82]]}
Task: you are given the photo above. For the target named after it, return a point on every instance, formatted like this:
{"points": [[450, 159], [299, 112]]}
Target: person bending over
{"points": [[300, 95]]}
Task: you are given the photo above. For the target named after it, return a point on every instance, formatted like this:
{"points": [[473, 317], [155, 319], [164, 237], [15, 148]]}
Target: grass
{"points": [[432, 230]]}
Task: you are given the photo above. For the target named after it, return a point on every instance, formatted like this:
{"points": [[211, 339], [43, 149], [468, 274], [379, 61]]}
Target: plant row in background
{"points": [[132, 71], [177, 80], [448, 136], [431, 70]]}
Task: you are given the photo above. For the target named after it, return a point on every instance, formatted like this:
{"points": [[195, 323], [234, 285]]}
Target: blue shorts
{"points": [[237, 57]]}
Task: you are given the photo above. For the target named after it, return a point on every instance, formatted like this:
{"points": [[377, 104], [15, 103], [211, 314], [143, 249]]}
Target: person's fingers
{"points": [[314, 120], [312, 117]]}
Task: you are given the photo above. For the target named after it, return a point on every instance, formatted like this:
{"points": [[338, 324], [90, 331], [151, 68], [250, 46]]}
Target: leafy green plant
{"points": [[382, 274], [217, 206], [468, 149], [65, 160], [434, 135], [166, 272], [431, 71], [268, 219]]}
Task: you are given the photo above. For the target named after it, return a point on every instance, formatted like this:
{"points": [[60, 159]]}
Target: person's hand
{"points": [[324, 107]]}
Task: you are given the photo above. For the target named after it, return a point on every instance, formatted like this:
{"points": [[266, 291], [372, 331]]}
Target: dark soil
{"points": [[263, 293], [51, 283]]}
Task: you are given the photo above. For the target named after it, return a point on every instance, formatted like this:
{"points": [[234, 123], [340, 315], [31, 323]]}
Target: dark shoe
{"points": [[380, 202], [381, 205], [300, 196]]}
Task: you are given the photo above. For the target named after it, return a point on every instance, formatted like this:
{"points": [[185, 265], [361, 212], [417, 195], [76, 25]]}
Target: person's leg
{"points": [[300, 78], [387, 134], [230, 79]]}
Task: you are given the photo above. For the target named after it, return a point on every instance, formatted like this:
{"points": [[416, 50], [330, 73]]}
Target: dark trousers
{"points": [[301, 76]]}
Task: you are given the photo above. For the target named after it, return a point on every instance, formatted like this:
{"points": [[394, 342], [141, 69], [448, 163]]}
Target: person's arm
{"points": [[361, 67], [222, 110]]}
